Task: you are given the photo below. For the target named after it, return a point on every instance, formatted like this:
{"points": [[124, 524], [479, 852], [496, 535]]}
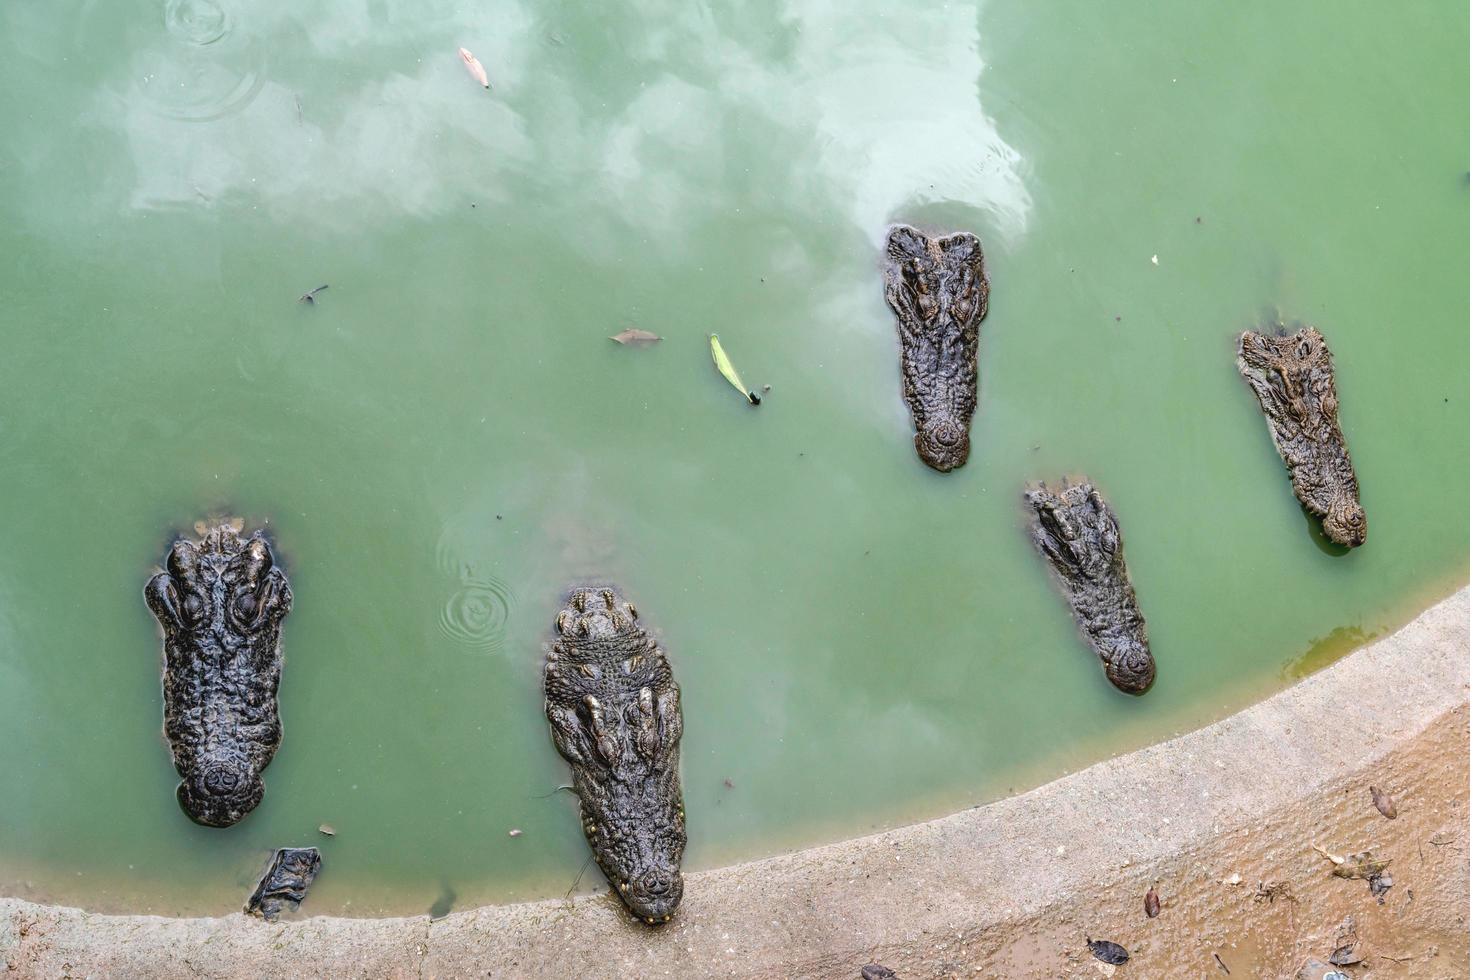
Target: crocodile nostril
{"points": [[221, 780], [657, 883]]}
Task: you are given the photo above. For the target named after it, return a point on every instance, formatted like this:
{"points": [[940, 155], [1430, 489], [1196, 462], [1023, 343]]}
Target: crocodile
{"points": [[285, 882], [938, 289], [1077, 533], [613, 707], [220, 601], [1291, 375]]}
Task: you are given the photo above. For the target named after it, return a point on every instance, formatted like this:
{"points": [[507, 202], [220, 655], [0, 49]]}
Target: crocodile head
{"points": [[220, 601], [943, 443], [614, 713], [654, 893], [596, 614], [1345, 522], [1128, 664], [221, 787], [938, 289]]}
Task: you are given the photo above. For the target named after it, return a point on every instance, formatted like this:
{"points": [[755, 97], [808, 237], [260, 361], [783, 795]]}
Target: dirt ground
{"points": [[1236, 825], [1262, 899]]}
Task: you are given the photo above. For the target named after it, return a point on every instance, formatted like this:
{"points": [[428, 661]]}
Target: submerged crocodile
{"points": [[220, 603], [1292, 377], [614, 713], [285, 882], [938, 290], [1078, 534]]}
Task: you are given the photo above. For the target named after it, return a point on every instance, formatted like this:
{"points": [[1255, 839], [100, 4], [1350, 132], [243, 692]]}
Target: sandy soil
{"points": [[1225, 821]]}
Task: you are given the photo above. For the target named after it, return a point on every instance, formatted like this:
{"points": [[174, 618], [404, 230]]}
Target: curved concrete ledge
{"points": [[1010, 889]]}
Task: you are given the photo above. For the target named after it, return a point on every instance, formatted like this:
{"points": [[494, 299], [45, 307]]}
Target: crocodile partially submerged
{"points": [[938, 289], [220, 602], [1292, 377], [291, 872], [614, 713], [1077, 532]]}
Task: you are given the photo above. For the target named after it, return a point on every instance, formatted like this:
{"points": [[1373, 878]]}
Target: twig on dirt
{"points": [[1274, 890]]}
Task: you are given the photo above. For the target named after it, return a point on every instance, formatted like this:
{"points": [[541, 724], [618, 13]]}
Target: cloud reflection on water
{"points": [[660, 118]]}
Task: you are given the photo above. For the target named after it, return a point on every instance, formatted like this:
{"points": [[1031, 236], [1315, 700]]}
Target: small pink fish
{"points": [[473, 66]]}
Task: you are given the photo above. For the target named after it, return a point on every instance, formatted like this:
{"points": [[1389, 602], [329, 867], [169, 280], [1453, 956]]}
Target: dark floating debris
{"points": [[1384, 802], [309, 297], [636, 337], [285, 882], [1151, 903], [875, 972], [1107, 952], [1221, 964]]}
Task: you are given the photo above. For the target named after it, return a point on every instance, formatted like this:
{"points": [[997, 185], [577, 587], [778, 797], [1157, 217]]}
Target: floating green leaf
{"points": [[722, 362]]}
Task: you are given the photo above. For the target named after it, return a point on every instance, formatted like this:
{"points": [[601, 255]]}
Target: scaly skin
{"points": [[285, 882], [1076, 531], [1293, 380], [938, 289], [614, 713], [220, 603]]}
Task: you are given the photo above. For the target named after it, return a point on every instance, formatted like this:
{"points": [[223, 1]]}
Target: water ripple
{"points": [[196, 21], [200, 67], [477, 614]]}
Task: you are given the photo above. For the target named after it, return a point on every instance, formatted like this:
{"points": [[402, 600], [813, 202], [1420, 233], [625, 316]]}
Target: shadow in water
{"points": [[444, 903], [1323, 543]]}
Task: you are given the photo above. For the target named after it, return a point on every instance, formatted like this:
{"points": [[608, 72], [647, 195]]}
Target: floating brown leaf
{"points": [[1384, 802], [1151, 903], [636, 337]]}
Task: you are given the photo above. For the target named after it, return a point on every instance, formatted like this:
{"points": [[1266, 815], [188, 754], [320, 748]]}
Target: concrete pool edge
{"points": [[930, 899]]}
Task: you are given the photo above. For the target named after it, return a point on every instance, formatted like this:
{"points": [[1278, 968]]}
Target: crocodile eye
{"points": [[245, 605], [193, 606]]}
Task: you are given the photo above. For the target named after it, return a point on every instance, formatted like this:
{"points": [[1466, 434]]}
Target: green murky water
{"points": [[448, 438]]}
